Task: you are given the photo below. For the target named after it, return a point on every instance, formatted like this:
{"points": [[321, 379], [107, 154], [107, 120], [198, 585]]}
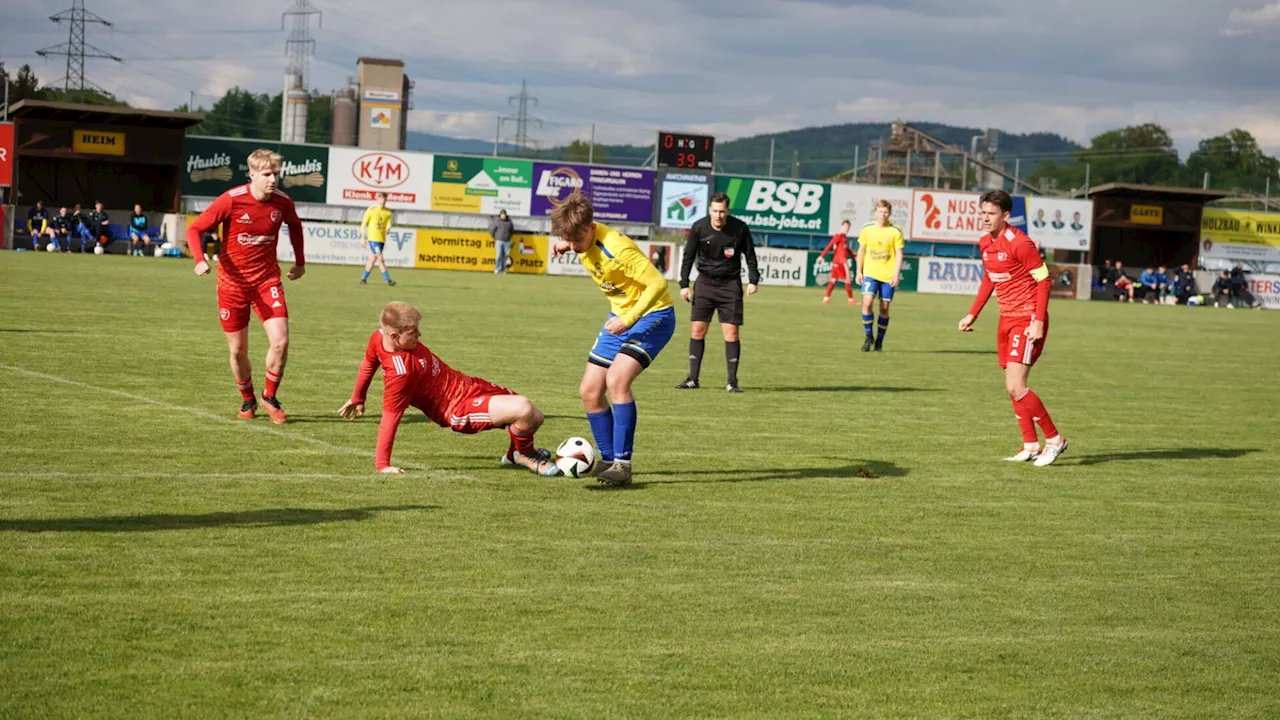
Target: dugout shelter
{"points": [[1147, 225], [67, 153]]}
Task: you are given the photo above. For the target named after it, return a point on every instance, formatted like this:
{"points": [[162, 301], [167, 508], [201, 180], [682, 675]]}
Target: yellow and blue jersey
{"points": [[377, 221], [633, 285], [883, 246]]}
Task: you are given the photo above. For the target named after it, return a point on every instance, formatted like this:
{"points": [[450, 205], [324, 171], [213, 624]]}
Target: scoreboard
{"points": [[682, 151]]}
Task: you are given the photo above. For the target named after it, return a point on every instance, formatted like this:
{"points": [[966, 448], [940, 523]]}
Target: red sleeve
{"points": [[367, 370], [295, 233], [213, 216], [830, 246], [984, 294], [1029, 256], [396, 395]]}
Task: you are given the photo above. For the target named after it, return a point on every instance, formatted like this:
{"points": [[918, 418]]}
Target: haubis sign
{"points": [[356, 175]]}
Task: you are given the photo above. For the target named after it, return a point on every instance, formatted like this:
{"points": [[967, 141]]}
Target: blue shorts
{"points": [[871, 286], [375, 248], [642, 341]]}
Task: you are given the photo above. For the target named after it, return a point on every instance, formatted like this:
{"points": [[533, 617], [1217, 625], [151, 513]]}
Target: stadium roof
{"points": [[103, 114], [1157, 192]]}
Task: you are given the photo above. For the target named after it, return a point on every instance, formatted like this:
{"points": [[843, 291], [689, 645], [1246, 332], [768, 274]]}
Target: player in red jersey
{"points": [[1013, 269], [249, 274], [413, 376], [839, 247]]}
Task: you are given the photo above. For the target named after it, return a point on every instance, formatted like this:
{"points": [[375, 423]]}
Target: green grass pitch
{"points": [[841, 540]]}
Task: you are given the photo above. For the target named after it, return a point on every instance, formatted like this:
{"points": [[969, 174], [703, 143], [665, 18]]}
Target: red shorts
{"points": [[840, 271], [267, 300], [469, 414], [1012, 344]]}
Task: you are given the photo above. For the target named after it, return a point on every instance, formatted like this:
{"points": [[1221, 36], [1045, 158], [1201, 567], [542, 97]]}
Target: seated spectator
{"points": [[99, 225], [1104, 275], [63, 225], [38, 224], [1240, 294], [209, 239], [1121, 283], [1184, 284], [1164, 286], [1222, 290], [80, 221], [139, 240], [1148, 286]]}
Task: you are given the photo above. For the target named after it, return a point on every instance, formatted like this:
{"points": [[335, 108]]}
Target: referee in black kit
{"points": [[719, 243]]}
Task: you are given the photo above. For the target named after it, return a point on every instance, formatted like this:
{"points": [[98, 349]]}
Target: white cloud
{"points": [[1247, 22]]}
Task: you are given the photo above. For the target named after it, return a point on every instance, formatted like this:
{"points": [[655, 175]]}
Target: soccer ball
{"points": [[575, 457], [52, 248], [98, 250], [159, 252]]}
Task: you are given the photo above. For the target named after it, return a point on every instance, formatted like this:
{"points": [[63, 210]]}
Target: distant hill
{"points": [[816, 152]]}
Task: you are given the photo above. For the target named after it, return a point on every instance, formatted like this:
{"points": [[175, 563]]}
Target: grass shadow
{"points": [[32, 330], [274, 517], [375, 417], [861, 470], [1175, 454], [842, 389]]}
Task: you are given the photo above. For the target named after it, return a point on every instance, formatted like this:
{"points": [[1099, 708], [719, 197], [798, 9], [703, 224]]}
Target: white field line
{"points": [[435, 472]]}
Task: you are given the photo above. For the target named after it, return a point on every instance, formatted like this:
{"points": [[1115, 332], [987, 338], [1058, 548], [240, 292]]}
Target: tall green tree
{"points": [[1142, 154], [240, 114], [580, 152], [1234, 162], [22, 85]]}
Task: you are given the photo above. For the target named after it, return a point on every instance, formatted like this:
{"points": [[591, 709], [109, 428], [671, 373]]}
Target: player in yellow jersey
{"points": [[879, 270], [640, 324], [373, 235]]}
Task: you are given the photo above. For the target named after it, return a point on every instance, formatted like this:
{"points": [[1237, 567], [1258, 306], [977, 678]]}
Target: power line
{"points": [[75, 48]]}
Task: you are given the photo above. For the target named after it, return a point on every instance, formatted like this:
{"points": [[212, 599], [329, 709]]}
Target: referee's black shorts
{"points": [[710, 295]]}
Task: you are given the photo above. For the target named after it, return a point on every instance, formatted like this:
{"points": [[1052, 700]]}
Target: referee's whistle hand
{"points": [[686, 295]]}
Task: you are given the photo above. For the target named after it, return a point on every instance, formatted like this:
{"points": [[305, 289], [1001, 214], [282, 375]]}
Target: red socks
{"points": [[848, 290], [522, 443], [830, 286], [273, 383], [246, 390], [1030, 409]]}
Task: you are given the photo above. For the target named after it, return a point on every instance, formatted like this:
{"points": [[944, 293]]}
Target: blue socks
{"points": [[386, 275], [883, 322], [866, 323], [365, 276], [624, 430], [602, 430]]}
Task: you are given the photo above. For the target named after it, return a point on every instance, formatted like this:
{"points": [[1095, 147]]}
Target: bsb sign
{"points": [[778, 206]]}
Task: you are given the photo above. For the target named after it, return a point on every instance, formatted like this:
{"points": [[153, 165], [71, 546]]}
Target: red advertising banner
{"points": [[6, 153]]}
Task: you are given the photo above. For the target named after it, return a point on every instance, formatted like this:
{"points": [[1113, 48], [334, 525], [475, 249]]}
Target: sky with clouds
{"points": [[732, 68]]}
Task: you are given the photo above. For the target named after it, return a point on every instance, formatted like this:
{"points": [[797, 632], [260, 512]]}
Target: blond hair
{"points": [[885, 204], [400, 316], [573, 216], [264, 159]]}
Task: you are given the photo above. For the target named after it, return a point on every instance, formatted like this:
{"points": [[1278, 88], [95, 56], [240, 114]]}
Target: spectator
{"points": [[80, 223], [38, 224], [1222, 290], [1121, 283], [62, 225], [209, 239], [501, 229], [99, 225], [1240, 294], [1164, 288], [1184, 284], [139, 227], [1104, 275]]}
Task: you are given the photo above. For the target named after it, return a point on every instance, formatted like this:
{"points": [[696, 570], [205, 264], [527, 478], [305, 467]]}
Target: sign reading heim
{"points": [[356, 175]]}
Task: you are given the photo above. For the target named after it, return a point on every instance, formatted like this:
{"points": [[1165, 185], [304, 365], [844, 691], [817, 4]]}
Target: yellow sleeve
{"points": [[368, 215], [639, 268], [898, 240]]}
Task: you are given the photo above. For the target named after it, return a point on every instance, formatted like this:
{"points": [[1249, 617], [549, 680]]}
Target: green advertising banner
{"points": [[481, 185], [771, 205], [215, 165], [819, 273]]}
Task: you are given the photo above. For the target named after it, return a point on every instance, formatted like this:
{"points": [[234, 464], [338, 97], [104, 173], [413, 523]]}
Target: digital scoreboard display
{"points": [[682, 151]]}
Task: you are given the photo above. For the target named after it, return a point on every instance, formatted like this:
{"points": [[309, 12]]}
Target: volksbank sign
{"points": [[778, 206]]}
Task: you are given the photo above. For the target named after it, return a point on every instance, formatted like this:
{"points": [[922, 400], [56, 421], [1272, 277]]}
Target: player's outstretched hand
{"points": [[202, 267], [686, 294], [297, 271], [351, 409], [751, 288], [966, 323], [615, 325], [392, 470], [561, 247]]}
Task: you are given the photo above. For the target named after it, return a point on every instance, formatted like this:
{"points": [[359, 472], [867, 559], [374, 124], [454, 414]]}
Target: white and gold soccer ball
{"points": [[575, 457]]}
